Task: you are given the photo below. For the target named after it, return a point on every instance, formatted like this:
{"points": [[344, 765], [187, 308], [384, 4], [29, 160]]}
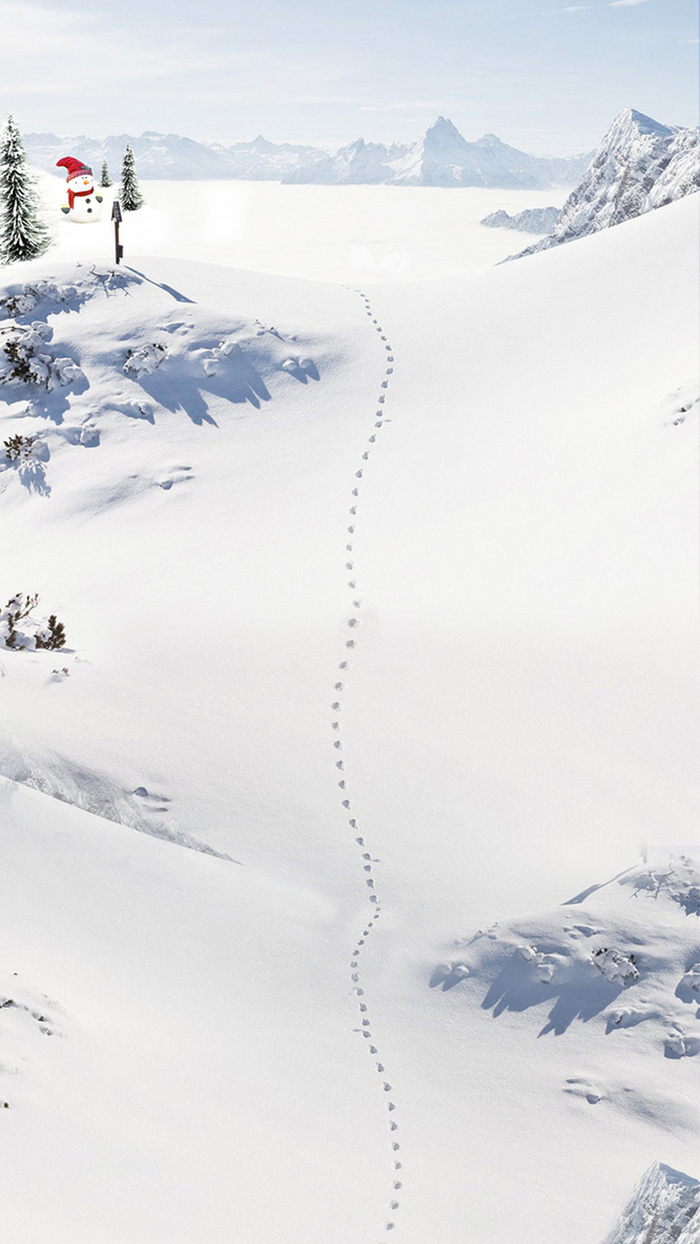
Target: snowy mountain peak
{"points": [[629, 119], [663, 1207], [640, 164], [443, 135]]}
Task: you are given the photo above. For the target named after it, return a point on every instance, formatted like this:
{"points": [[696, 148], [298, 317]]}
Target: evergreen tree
{"points": [[131, 196], [23, 235], [105, 179]]}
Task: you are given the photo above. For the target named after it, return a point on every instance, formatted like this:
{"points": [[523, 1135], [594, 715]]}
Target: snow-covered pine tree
{"points": [[23, 235], [131, 196], [105, 179]]}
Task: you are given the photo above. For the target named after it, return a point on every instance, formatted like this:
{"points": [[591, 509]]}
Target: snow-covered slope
{"points": [[640, 165], [531, 220], [443, 158], [663, 1209], [381, 618]]}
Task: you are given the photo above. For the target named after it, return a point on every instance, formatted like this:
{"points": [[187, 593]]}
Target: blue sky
{"points": [[545, 75]]}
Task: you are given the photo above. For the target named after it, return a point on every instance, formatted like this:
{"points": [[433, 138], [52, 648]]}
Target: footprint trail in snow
{"points": [[366, 859]]}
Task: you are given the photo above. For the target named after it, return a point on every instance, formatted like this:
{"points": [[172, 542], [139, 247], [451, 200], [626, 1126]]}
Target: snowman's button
{"points": [[89, 210]]}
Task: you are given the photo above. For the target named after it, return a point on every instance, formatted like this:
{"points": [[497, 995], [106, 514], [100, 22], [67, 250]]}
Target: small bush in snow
{"points": [[615, 966], [18, 447], [26, 362], [20, 304], [17, 610], [19, 368], [51, 636], [145, 359]]}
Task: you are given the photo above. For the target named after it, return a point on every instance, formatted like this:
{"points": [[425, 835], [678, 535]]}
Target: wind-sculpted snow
{"points": [[663, 1209], [640, 165], [89, 362], [621, 960]]}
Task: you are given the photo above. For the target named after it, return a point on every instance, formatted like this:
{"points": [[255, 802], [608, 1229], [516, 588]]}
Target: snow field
{"points": [[526, 709], [515, 712]]}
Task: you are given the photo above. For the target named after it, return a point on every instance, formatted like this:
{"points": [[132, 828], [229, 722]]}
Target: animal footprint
{"points": [[176, 476]]}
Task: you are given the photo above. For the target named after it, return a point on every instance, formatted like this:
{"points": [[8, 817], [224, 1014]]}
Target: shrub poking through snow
{"points": [[615, 966], [145, 359], [27, 363], [53, 635], [18, 447], [18, 610]]}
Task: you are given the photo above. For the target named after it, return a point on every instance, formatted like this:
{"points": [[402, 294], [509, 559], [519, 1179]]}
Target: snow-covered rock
{"points": [[663, 1209], [531, 220], [640, 164]]}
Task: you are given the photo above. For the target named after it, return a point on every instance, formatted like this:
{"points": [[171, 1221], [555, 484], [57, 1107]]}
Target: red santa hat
{"points": [[75, 168]]}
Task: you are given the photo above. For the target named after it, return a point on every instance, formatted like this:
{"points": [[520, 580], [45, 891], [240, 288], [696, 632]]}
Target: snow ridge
{"points": [[368, 862]]}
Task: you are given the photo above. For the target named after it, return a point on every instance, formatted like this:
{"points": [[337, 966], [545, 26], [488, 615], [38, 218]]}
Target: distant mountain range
{"points": [[640, 165], [442, 157], [163, 157]]}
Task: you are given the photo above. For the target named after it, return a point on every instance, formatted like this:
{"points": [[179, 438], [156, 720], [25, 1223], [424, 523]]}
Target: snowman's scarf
{"points": [[78, 194]]}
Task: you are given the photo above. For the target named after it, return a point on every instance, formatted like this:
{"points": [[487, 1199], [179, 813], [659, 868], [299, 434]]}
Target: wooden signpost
{"points": [[117, 218]]}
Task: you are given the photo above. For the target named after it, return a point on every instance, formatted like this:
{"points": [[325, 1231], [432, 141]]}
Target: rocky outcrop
{"points": [[640, 165], [531, 220], [663, 1209]]}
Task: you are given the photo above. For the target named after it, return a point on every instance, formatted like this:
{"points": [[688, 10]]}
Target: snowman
{"points": [[84, 206]]}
